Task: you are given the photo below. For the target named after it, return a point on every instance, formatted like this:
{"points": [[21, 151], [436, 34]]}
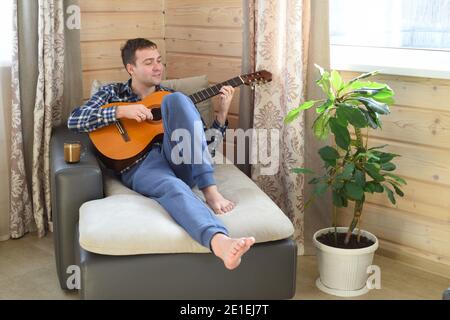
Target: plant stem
{"points": [[359, 203], [359, 230], [356, 216], [335, 225], [359, 140]]}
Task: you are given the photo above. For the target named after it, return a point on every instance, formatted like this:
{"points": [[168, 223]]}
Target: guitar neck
{"points": [[214, 90]]}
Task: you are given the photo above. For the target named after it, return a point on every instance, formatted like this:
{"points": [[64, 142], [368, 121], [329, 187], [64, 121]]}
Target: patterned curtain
{"points": [[32, 210], [281, 37]]}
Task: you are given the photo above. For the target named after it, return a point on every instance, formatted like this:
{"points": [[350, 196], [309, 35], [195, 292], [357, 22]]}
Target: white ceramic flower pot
{"points": [[343, 272]]}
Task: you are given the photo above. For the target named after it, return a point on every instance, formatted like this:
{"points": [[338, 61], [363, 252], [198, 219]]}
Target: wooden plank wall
{"points": [[417, 229], [205, 37], [106, 25]]}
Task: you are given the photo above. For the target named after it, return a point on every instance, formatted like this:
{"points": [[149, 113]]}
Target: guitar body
{"points": [[111, 144], [119, 145]]}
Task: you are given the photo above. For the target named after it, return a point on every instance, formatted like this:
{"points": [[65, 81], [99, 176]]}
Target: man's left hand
{"points": [[225, 97]]}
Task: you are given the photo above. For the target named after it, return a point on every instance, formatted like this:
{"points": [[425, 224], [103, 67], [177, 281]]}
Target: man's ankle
{"points": [[215, 242]]}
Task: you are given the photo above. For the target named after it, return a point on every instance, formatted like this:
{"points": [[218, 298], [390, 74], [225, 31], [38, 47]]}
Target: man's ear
{"points": [[130, 69]]}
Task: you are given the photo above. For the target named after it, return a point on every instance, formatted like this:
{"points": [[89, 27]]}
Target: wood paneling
{"points": [[217, 69], [120, 5], [205, 37], [417, 229], [106, 25], [106, 54], [98, 26], [416, 126], [206, 13]]}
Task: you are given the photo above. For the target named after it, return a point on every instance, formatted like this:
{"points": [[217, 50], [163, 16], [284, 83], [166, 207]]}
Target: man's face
{"points": [[148, 68]]}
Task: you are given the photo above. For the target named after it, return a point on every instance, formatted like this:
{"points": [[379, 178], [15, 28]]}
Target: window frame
{"points": [[428, 63]]}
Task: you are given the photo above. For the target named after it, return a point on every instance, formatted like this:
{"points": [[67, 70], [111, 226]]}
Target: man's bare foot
{"points": [[216, 201], [230, 250]]}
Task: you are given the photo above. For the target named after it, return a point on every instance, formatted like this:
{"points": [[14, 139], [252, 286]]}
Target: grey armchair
{"points": [[267, 272]]}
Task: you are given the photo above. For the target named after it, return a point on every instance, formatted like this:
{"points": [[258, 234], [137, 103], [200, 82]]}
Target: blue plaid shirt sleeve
{"points": [[91, 116]]}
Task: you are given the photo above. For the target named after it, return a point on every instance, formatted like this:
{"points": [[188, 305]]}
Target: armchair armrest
{"points": [[71, 186]]}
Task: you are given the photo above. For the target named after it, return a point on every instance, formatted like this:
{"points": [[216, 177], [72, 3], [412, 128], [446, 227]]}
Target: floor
{"points": [[28, 271]]}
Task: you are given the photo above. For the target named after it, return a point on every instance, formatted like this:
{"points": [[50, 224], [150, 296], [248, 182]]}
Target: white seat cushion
{"points": [[127, 223]]}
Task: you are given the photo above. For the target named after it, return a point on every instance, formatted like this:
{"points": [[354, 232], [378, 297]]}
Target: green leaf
{"points": [[329, 155], [338, 200], [385, 157], [357, 85], [373, 186], [337, 185], [398, 190], [294, 113], [379, 147], [360, 178], [320, 188], [341, 134], [363, 76], [320, 126], [352, 114], [373, 105], [315, 181], [388, 166], [341, 117], [324, 82], [385, 96], [396, 178], [390, 194], [375, 117], [348, 171], [367, 91], [322, 108], [372, 123], [336, 80], [373, 171], [354, 191], [302, 171]]}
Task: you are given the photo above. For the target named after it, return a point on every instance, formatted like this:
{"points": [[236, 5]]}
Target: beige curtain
{"points": [[21, 212], [30, 204], [286, 37], [318, 214]]}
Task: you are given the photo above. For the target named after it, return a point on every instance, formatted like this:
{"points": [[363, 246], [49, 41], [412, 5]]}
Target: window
{"points": [[408, 37], [6, 27]]}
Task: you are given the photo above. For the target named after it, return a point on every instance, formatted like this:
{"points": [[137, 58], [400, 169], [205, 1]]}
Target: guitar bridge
{"points": [[122, 131]]}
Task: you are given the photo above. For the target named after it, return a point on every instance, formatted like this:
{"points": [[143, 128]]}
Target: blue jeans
{"points": [[169, 181]]}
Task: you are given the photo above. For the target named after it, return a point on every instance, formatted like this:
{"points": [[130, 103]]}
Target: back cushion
{"points": [[186, 85]]}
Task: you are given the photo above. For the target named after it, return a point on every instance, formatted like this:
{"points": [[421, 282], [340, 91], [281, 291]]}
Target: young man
{"points": [[156, 175]]}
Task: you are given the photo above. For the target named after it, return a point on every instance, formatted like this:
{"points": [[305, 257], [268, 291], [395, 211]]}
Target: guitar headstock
{"points": [[255, 78]]}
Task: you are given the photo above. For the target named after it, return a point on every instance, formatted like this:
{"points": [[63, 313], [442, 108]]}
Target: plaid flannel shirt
{"points": [[91, 116]]}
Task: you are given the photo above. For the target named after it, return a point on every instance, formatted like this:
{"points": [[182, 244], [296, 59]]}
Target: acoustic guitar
{"points": [[122, 143]]}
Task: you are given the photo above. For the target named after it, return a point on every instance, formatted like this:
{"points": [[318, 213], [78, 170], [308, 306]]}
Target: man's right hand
{"points": [[137, 112]]}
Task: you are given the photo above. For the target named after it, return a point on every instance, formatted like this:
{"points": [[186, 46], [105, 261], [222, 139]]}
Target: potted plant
{"points": [[352, 170]]}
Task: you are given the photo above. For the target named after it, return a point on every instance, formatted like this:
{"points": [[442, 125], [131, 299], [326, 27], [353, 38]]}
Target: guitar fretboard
{"points": [[214, 90]]}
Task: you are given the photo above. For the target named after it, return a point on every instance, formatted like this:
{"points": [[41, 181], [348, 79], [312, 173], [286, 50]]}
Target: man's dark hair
{"points": [[130, 48]]}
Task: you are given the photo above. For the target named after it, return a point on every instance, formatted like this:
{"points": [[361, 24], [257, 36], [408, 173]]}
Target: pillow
{"points": [[186, 85]]}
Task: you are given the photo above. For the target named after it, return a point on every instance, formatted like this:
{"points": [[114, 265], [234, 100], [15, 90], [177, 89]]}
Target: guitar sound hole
{"points": [[156, 114]]}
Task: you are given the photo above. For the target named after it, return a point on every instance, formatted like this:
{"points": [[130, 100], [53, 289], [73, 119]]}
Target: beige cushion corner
{"points": [[127, 223]]}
